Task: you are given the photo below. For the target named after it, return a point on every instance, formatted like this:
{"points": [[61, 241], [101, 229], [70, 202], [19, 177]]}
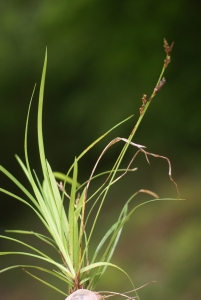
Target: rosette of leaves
{"points": [[67, 227]]}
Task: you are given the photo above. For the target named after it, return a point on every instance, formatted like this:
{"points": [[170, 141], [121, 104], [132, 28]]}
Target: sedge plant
{"points": [[65, 216]]}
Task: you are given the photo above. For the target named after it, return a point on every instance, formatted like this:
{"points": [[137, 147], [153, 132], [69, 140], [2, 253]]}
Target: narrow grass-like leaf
{"points": [[19, 185], [47, 259], [102, 174], [115, 231], [25, 202], [64, 178], [146, 202], [103, 241], [45, 282], [42, 237], [54, 273], [71, 214], [98, 140], [43, 204], [58, 209], [40, 111], [98, 264], [25, 244]]}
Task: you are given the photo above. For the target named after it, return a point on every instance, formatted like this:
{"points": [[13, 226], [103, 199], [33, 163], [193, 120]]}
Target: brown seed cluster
{"points": [[144, 101], [159, 86], [168, 50]]}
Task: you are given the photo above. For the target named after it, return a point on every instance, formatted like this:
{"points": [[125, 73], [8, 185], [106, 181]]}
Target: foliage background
{"points": [[102, 56]]}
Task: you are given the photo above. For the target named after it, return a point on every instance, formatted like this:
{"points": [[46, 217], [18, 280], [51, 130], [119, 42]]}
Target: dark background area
{"points": [[102, 57]]}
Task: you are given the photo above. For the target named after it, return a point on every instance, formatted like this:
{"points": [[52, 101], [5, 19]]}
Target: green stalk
{"points": [[143, 110]]}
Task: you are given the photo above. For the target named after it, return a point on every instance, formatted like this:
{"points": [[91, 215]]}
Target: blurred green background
{"points": [[102, 56]]}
